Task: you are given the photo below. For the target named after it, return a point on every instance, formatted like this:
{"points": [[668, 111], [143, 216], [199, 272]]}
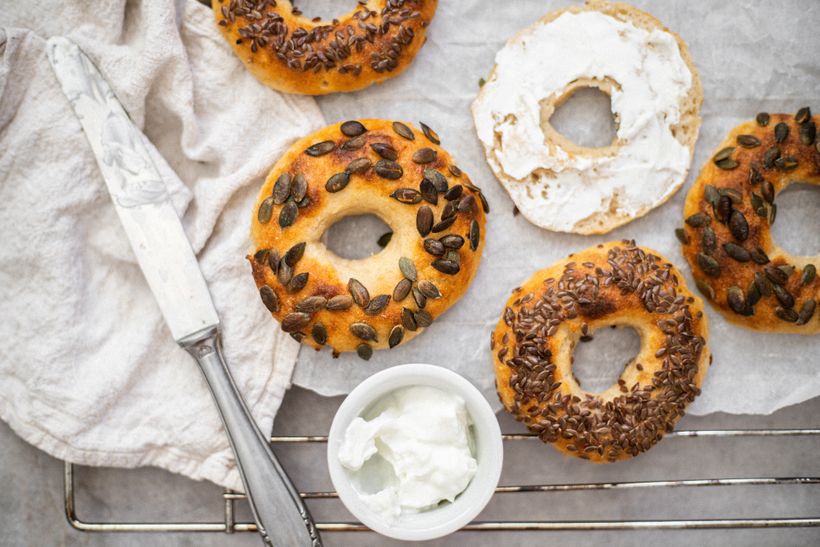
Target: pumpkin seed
{"points": [[748, 141], [786, 314], [456, 172], [454, 192], [803, 115], [337, 182], [781, 132], [407, 319], [429, 289], [736, 300], [396, 336], [755, 177], [319, 334], [787, 269], [423, 318], [340, 302], [443, 225], [809, 273], [408, 269], [708, 240], [705, 288], [448, 211], [384, 239], [353, 128], [385, 150], [711, 195], [709, 265], [431, 135], [786, 163], [484, 203], [759, 256], [806, 311], [364, 331], [261, 256], [438, 180], [388, 169], [273, 261], [295, 253], [298, 282], [403, 131], [265, 210], [737, 252], [284, 273], [770, 156], [763, 284], [772, 213], [428, 191], [269, 298], [452, 241], [298, 188], [304, 203], [377, 304], [808, 133], [757, 201], [359, 166], [353, 144], [762, 119], [453, 256], [288, 214], [424, 220], [727, 164], [402, 289], [320, 148], [311, 304], [698, 220], [752, 295], [724, 208], [281, 190], [783, 296], [406, 195], [446, 266], [424, 155], [475, 234], [724, 153], [767, 189], [680, 233], [776, 275], [738, 226], [735, 196], [359, 292], [467, 205], [294, 321], [364, 351], [434, 247], [419, 298]]}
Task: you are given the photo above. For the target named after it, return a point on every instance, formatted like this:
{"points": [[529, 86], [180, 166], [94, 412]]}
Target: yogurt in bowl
{"points": [[415, 452]]}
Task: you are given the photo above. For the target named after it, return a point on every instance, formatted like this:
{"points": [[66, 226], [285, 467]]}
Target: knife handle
{"points": [[279, 512]]}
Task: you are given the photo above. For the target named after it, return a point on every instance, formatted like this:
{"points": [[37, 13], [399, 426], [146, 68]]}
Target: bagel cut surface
{"points": [[375, 41], [614, 284], [390, 170], [726, 236]]}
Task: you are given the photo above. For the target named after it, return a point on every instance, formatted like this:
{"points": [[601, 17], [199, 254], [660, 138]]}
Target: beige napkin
{"points": [[88, 370]]}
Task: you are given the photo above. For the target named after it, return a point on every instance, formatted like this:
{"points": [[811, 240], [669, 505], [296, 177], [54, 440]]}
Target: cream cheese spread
{"points": [[415, 451], [562, 189]]}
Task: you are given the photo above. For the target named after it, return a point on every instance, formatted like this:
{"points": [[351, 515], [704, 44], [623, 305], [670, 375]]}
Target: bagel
{"points": [[387, 169], [728, 214], [613, 284], [655, 93], [288, 52]]}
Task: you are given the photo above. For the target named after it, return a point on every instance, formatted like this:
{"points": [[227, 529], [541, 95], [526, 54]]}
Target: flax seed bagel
{"points": [[616, 284], [727, 230], [288, 52], [387, 169], [655, 94]]}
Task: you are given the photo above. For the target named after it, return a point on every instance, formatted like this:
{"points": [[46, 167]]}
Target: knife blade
{"points": [[164, 254]]}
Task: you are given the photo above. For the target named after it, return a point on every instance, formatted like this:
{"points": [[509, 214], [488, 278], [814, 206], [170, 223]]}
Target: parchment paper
{"points": [[752, 56]]}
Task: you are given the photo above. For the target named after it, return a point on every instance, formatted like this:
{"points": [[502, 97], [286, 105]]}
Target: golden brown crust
{"points": [[763, 297], [288, 52], [685, 131], [617, 284], [366, 192]]}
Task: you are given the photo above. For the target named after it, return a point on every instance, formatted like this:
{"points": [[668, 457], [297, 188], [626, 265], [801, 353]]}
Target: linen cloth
{"points": [[88, 370]]}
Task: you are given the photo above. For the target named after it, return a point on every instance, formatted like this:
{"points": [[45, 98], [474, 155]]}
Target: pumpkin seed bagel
{"points": [[375, 41], [613, 284], [727, 230], [393, 171]]}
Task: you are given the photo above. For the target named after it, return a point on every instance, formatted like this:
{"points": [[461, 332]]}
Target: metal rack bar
{"points": [[229, 524]]}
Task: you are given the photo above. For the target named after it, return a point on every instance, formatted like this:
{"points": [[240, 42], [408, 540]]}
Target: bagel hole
{"points": [[326, 10], [598, 363], [357, 236], [796, 228], [585, 118]]}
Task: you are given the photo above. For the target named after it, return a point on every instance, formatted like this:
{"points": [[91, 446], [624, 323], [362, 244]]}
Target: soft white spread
{"points": [[556, 189], [415, 453]]}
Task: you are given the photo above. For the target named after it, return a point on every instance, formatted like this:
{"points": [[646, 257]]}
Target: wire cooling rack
{"points": [[229, 524]]}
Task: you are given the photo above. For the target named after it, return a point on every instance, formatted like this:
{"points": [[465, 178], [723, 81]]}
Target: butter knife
{"points": [[165, 256]]}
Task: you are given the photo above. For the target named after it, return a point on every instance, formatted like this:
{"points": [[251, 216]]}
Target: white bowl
{"points": [[446, 518]]}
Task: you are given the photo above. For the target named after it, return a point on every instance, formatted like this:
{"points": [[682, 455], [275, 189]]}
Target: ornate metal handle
{"points": [[279, 512]]}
